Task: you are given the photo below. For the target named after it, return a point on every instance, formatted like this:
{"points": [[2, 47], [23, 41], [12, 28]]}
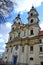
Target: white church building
{"points": [[25, 43]]}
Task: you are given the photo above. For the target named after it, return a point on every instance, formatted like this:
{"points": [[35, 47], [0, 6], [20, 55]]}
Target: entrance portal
{"points": [[15, 60], [31, 62]]}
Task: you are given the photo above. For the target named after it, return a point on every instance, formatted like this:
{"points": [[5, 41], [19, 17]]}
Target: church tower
{"points": [[25, 43], [33, 21]]}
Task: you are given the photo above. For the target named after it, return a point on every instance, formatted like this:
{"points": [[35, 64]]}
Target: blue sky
{"points": [[22, 6]]}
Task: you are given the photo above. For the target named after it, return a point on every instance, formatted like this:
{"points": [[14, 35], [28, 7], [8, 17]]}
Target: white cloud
{"points": [[4, 46], [6, 38], [1, 50], [8, 24], [25, 5], [4, 35], [1, 40], [4, 32], [0, 35]]}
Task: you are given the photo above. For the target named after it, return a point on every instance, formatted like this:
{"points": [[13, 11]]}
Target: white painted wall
{"points": [[36, 31]]}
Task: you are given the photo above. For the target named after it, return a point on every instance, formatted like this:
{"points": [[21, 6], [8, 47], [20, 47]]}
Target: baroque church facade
{"points": [[25, 43]]}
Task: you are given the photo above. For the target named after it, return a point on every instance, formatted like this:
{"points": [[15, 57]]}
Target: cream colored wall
{"points": [[26, 54], [36, 54], [24, 57], [9, 55], [36, 31], [41, 59], [22, 34], [42, 40], [27, 32]]}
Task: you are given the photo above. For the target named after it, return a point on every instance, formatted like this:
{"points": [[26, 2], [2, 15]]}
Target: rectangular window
{"points": [[40, 49], [31, 32], [40, 41], [31, 48], [10, 38], [19, 34]]}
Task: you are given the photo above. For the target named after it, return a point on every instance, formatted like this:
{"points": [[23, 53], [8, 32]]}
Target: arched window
{"points": [[31, 21], [31, 32]]}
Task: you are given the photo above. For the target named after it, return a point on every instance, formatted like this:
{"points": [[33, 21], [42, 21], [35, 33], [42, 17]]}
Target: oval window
{"points": [[31, 14]]}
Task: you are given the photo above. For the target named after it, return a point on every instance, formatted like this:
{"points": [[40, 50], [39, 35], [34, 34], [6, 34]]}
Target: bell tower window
{"points": [[18, 22], [31, 21], [31, 32], [31, 14]]}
